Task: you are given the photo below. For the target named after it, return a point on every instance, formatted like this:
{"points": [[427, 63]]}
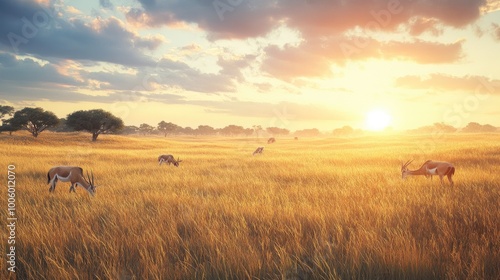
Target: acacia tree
{"points": [[95, 121], [34, 120], [7, 127], [167, 128], [146, 128], [205, 130], [232, 130], [6, 110]]}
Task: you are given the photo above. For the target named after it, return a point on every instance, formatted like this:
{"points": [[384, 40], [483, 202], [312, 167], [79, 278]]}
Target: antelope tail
{"points": [[48, 177]]}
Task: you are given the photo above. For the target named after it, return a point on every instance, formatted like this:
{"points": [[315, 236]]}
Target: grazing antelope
{"points": [[430, 168], [271, 140], [73, 174], [258, 151], [168, 159]]}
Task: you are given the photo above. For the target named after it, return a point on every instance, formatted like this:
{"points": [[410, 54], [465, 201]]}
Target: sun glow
{"points": [[377, 120]]}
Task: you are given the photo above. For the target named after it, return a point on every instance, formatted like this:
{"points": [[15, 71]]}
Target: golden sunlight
{"points": [[377, 120]]}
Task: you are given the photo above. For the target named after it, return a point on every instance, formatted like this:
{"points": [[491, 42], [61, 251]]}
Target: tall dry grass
{"points": [[307, 209]]}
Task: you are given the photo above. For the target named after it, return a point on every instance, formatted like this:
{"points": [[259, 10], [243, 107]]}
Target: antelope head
{"points": [[90, 182], [176, 163], [404, 169]]}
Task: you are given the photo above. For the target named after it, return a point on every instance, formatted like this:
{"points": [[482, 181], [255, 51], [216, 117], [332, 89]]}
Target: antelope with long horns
{"points": [[73, 174], [168, 159], [429, 168]]}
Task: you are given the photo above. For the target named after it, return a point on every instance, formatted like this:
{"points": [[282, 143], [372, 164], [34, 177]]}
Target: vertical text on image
{"points": [[11, 217]]}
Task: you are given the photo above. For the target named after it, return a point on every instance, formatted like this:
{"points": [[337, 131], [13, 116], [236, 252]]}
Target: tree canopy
{"points": [[205, 130], [34, 120], [6, 110], [145, 128], [436, 127], [232, 130], [95, 121], [476, 127], [168, 128]]}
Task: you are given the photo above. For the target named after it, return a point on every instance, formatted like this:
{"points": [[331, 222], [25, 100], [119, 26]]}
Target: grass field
{"points": [[307, 209]]}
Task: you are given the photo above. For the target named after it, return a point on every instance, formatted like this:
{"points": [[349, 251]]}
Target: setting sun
{"points": [[377, 120]]}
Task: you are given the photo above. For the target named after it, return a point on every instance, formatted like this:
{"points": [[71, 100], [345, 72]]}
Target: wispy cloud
{"points": [[443, 82]]}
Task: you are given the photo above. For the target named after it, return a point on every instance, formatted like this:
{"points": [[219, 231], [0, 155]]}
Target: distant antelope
{"points": [[258, 151], [430, 168], [271, 140], [73, 174], [168, 159]]}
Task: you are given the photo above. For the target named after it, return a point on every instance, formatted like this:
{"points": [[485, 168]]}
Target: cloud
{"points": [[423, 52], [456, 13], [179, 74], [151, 43], [491, 6], [106, 4], [314, 57], [442, 82], [29, 73], [244, 19], [496, 31], [219, 18], [307, 60], [34, 80], [33, 29], [24, 73], [422, 25], [170, 74], [324, 25]]}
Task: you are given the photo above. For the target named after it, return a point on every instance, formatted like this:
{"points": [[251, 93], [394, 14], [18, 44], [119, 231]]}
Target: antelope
{"points": [[73, 174], [430, 168], [168, 159], [271, 140], [258, 151]]}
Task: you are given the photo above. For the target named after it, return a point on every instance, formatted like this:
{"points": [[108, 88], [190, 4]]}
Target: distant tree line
{"points": [[168, 128], [472, 127], [98, 121]]}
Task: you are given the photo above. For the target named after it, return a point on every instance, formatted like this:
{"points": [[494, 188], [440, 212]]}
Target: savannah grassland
{"points": [[308, 209]]}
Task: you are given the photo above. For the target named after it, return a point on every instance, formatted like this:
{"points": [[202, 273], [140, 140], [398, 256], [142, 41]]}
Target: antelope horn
{"points": [[407, 163], [92, 174], [88, 178]]}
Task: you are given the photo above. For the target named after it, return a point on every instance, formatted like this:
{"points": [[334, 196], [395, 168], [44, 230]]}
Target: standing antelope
{"points": [[430, 168], [271, 140], [73, 174], [168, 159]]}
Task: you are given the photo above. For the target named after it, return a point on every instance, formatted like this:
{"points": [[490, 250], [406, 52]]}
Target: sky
{"points": [[292, 64]]}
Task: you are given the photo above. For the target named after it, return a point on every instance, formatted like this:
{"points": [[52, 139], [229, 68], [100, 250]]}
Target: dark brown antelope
{"points": [[73, 174], [258, 151], [429, 168], [169, 159]]}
